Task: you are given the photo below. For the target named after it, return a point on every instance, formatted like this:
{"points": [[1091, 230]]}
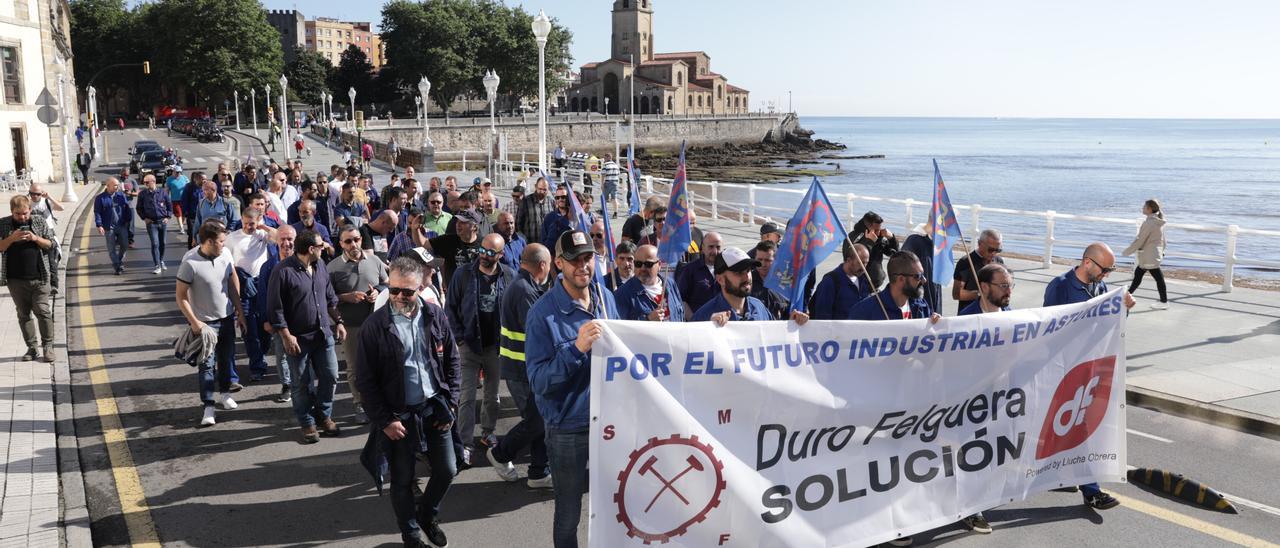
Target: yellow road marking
{"points": [[133, 501], [1194, 524]]}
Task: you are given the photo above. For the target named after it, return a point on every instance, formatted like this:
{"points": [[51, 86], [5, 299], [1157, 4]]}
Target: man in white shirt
{"points": [[249, 248]]}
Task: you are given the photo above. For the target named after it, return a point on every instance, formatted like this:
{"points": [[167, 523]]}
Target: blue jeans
{"points": [[117, 245], [1089, 490], [568, 452], [282, 365], [529, 432], [400, 464], [253, 346], [222, 360], [316, 363], [156, 233]]}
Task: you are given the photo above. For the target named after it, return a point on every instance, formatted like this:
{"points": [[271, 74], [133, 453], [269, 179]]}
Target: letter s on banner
{"points": [[1078, 407]]}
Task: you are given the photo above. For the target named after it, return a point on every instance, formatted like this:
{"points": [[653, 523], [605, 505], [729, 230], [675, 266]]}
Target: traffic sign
{"points": [[46, 99], [48, 115]]}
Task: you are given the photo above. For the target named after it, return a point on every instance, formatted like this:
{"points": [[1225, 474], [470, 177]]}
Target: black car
{"points": [[143, 146], [151, 161]]}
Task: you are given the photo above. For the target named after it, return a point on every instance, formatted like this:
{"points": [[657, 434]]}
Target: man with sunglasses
{"points": [[474, 293], [435, 220], [560, 333], [965, 288], [298, 297], [408, 376], [460, 249], [356, 279], [1078, 285], [902, 298], [650, 295], [557, 222]]}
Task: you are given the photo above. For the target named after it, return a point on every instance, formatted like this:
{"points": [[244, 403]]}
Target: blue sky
{"points": [[1088, 58]]}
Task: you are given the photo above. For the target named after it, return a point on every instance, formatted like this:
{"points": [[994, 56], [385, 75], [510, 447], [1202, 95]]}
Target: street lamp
{"points": [[351, 94], [253, 107], [417, 101], [93, 121], [284, 114], [491, 90], [270, 132], [542, 29], [322, 116], [236, 94], [68, 188], [428, 149]]}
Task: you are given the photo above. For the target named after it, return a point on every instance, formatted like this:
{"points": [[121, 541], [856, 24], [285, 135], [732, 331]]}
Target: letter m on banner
{"points": [[943, 228], [813, 233]]}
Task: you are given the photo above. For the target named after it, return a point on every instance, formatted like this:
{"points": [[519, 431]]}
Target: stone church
{"points": [[665, 83]]}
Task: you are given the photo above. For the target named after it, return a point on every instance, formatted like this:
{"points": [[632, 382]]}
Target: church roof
{"points": [[654, 83], [697, 87], [736, 89], [677, 54]]}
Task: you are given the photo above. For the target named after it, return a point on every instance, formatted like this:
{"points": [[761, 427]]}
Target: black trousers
{"points": [[1155, 273]]}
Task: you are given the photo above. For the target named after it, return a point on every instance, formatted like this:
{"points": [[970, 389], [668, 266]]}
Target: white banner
{"points": [[847, 433]]}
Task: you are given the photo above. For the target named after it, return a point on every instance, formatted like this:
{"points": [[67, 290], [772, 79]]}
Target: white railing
{"points": [[742, 203]]}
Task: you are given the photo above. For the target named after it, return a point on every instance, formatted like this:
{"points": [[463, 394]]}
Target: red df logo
{"points": [[1078, 407]]}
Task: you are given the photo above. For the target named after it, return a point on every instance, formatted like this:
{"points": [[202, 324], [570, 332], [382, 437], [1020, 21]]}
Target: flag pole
{"points": [[867, 275], [969, 256]]}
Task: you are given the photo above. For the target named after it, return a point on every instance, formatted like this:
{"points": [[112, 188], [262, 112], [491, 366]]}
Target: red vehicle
{"points": [[165, 112]]}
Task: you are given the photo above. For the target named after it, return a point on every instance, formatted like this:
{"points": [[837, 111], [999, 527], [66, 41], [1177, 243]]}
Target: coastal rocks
{"points": [[798, 156]]}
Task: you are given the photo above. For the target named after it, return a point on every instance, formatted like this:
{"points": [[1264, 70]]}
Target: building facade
{"points": [[330, 37], [293, 30], [35, 57], [657, 83]]}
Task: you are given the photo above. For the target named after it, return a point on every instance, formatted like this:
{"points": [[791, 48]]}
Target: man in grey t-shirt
{"points": [[356, 279], [207, 293]]}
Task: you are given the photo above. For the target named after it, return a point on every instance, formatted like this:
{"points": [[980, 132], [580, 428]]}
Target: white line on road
{"points": [[1149, 436]]}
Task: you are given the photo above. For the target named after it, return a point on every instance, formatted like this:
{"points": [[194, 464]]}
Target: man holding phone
{"points": [[357, 280], [27, 269]]}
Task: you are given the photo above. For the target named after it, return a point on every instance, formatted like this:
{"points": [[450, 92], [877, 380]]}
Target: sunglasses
{"points": [[597, 235], [351, 241], [435, 202], [558, 198], [659, 219], [404, 291], [646, 264], [1105, 270], [489, 252]]}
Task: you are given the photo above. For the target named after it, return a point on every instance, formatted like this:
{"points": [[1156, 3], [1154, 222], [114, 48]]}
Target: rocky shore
{"points": [[797, 157]]}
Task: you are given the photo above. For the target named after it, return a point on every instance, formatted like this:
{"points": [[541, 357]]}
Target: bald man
{"points": [[113, 217], [376, 235], [474, 294]]}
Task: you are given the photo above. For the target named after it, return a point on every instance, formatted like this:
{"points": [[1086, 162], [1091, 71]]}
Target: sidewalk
{"points": [[323, 156], [44, 500]]}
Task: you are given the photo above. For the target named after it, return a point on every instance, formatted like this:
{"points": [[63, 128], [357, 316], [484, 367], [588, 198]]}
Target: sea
{"points": [[1203, 172]]}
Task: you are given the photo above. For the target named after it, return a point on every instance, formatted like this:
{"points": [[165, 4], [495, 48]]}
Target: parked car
{"points": [[143, 146], [151, 161]]}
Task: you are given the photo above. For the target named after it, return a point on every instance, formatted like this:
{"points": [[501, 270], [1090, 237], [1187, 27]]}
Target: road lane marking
{"points": [[133, 500], [1149, 436], [1198, 525]]}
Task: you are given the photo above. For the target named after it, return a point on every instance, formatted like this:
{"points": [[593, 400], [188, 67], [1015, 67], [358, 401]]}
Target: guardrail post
{"points": [[909, 203], [751, 199], [1229, 270], [977, 217], [648, 183], [464, 159], [715, 199], [1048, 238], [850, 197]]}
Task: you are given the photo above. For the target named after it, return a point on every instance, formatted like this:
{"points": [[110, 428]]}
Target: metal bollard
{"points": [[1048, 238], [1229, 264]]}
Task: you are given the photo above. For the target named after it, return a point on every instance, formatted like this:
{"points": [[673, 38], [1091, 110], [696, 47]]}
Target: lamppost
{"points": [[236, 94], [329, 98], [269, 120], [491, 89], [428, 149], [68, 188], [253, 107], [351, 94], [322, 112], [542, 29], [417, 101], [606, 108], [284, 114], [93, 121]]}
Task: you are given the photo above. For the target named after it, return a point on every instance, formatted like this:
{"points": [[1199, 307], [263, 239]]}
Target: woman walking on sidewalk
{"points": [[1150, 245]]}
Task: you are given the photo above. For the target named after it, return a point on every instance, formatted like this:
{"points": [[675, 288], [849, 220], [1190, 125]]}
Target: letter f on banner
{"points": [[1078, 407]]}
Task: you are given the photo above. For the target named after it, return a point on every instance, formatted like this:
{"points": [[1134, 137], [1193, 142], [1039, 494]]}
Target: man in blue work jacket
{"points": [[902, 298], [649, 295], [559, 334], [844, 287], [113, 218], [734, 301], [1078, 285]]}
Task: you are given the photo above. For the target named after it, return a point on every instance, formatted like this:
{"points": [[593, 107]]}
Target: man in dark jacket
{"points": [[113, 218], [844, 287], [474, 294], [409, 378], [529, 285], [764, 253], [901, 298], [155, 208], [649, 296]]}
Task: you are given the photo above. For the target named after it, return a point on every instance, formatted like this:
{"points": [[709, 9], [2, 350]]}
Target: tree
{"points": [[354, 71], [308, 75], [453, 42], [101, 37]]}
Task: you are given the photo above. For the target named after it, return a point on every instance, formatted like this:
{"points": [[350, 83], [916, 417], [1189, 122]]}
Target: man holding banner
{"points": [[650, 295], [901, 299], [735, 303], [560, 332]]}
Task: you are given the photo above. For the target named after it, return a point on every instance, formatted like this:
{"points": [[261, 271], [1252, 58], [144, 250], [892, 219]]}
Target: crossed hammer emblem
{"points": [[668, 484]]}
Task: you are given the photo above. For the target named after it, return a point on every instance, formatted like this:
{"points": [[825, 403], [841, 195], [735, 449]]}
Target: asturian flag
{"points": [[634, 192], [608, 230], [943, 228], [676, 235], [813, 233]]}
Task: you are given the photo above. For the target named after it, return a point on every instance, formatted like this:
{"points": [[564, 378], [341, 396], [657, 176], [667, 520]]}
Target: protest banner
{"points": [[842, 433]]}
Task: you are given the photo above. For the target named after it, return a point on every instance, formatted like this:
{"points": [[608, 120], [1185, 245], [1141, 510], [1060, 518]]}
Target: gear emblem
{"points": [[679, 476]]}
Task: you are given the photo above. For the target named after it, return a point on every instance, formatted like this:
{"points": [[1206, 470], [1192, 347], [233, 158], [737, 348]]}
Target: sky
{"points": [[1006, 58]]}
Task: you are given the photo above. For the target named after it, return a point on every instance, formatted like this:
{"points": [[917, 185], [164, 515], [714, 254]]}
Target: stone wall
{"points": [[596, 135]]}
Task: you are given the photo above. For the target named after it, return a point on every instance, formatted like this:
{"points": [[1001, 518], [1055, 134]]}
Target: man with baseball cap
{"points": [[769, 232], [560, 331], [734, 302], [458, 249]]}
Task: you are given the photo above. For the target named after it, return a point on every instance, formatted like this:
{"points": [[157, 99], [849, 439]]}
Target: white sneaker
{"points": [[163, 266], [226, 402], [156, 270], [1159, 306], [540, 483], [208, 419], [505, 470]]}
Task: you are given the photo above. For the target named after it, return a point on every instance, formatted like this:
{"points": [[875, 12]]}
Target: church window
{"points": [[699, 101], [719, 92], [679, 79], [690, 100], [671, 104], [626, 3]]}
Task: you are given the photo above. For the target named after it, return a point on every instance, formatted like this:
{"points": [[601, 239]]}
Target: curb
{"points": [[75, 510], [1242, 421]]}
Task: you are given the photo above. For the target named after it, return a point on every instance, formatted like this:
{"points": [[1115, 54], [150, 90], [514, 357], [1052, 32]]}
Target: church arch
{"points": [[671, 103], [656, 107], [611, 92], [573, 104]]}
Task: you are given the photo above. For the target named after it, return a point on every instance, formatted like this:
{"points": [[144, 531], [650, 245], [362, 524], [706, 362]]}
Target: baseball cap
{"points": [[732, 258], [468, 216], [769, 228], [421, 254], [573, 244], [518, 188]]}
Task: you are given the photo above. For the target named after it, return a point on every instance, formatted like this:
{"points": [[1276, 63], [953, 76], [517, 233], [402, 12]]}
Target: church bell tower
{"points": [[633, 30]]}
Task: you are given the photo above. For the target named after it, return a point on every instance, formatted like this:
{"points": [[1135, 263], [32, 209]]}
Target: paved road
{"points": [[248, 482]]}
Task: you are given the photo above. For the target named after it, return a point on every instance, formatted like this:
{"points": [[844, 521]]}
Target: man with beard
{"points": [[458, 250], [407, 373], [764, 253], [901, 298], [624, 266], [560, 333], [356, 279], [844, 287], [511, 252], [533, 210], [734, 301], [699, 280], [474, 293], [1084, 282], [649, 296], [997, 288], [557, 222]]}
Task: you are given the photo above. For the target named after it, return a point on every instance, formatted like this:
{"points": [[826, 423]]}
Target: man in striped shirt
{"points": [[530, 284]]}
